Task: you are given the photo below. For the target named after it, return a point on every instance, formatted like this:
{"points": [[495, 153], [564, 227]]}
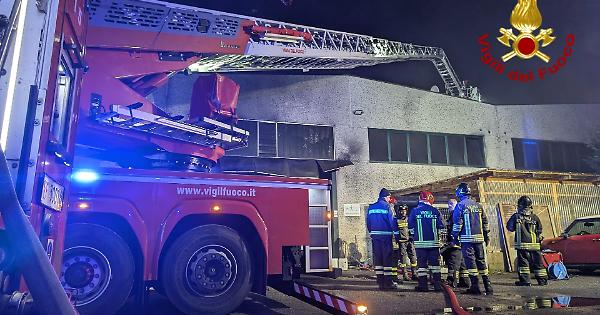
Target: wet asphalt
{"points": [[581, 293]]}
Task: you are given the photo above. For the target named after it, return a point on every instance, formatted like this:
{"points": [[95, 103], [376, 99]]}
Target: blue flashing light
{"points": [[84, 176]]}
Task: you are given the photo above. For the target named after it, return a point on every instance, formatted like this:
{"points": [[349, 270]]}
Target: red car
{"points": [[579, 244]]}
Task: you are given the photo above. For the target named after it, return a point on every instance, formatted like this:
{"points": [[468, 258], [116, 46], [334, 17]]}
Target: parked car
{"points": [[579, 244]]}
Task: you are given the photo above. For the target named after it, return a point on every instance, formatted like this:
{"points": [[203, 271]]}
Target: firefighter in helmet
{"points": [[457, 270], [528, 235], [406, 248], [471, 229], [424, 223], [382, 227]]}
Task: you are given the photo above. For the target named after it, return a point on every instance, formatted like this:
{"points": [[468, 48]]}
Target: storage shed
{"points": [[558, 199]]}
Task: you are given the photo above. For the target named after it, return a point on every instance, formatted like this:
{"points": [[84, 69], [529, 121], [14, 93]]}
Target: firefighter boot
{"points": [[437, 281], [542, 281], [422, 286], [451, 281], [464, 282], [487, 284], [474, 288], [405, 274], [388, 283], [413, 272]]}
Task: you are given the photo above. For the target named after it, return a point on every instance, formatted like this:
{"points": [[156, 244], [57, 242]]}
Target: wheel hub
{"points": [[211, 271], [85, 273]]}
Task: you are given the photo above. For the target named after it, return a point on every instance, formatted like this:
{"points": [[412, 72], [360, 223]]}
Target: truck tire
{"points": [[207, 270], [98, 269]]}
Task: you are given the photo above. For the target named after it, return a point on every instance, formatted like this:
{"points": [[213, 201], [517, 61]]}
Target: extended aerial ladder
{"points": [[134, 46], [273, 45]]}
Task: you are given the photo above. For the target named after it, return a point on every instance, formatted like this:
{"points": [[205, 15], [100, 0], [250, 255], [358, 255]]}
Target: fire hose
{"points": [[48, 295], [454, 305]]}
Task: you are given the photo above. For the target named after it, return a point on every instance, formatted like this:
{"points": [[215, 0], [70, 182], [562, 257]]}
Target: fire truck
{"points": [[119, 194]]}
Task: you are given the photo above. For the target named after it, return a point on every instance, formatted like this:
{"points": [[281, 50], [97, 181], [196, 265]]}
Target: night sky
{"points": [[455, 26]]}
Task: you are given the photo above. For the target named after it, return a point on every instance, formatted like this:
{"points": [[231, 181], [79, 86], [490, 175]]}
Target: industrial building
{"points": [[395, 136]]}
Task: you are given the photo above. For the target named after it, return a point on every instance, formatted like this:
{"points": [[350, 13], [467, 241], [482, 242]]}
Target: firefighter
{"points": [[423, 223], [528, 235], [382, 228], [471, 230], [453, 255], [406, 248]]}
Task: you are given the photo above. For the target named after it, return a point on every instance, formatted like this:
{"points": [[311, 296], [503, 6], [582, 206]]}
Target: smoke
{"points": [[351, 150]]}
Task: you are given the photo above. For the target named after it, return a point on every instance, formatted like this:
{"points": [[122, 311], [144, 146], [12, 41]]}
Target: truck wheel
{"points": [[206, 271], [97, 269]]}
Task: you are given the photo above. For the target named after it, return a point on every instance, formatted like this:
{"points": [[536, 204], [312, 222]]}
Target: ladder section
{"points": [[207, 132], [272, 45]]}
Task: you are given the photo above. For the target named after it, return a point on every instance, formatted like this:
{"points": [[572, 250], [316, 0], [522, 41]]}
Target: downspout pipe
{"points": [[48, 295]]}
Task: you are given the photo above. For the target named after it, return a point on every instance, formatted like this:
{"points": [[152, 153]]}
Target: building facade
{"points": [[395, 136]]}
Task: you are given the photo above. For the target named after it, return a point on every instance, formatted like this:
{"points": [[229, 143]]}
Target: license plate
{"points": [[52, 194]]}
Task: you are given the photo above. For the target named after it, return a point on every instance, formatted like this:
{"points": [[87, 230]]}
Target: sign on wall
{"points": [[352, 210]]}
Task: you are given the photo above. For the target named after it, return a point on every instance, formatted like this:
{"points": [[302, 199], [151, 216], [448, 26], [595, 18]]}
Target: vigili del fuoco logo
{"points": [[526, 43]]}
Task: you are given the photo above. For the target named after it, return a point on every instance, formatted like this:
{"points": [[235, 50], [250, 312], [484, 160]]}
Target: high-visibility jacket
{"points": [[470, 222], [424, 223], [380, 221], [527, 228], [402, 222]]}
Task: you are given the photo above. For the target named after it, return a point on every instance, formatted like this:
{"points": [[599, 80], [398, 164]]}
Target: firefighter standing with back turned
{"points": [[471, 230], [424, 223], [382, 227], [406, 248], [457, 270], [528, 235]]}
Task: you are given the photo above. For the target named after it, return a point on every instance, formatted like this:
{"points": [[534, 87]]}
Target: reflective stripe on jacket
{"points": [[470, 222], [423, 223], [380, 222], [403, 229], [527, 228]]}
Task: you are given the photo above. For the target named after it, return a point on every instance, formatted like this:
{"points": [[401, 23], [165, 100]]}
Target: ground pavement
{"points": [[580, 290]]}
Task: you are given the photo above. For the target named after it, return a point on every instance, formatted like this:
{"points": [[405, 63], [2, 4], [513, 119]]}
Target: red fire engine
{"points": [[141, 207]]}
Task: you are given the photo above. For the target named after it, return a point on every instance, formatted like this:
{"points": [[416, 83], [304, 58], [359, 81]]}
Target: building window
{"points": [[425, 148], [550, 155], [378, 145], [285, 140]]}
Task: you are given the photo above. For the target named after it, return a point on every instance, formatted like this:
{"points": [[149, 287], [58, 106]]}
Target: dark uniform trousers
{"points": [[474, 256], [428, 257], [383, 260], [527, 259], [407, 252], [455, 262]]}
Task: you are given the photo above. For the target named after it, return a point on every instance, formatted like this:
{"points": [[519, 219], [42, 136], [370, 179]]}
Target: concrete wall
{"points": [[330, 100]]}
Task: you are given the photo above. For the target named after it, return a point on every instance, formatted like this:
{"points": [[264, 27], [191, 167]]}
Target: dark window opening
{"points": [[437, 145], [425, 148], [475, 155], [378, 146], [550, 155], [456, 150], [418, 148], [398, 146], [269, 139]]}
